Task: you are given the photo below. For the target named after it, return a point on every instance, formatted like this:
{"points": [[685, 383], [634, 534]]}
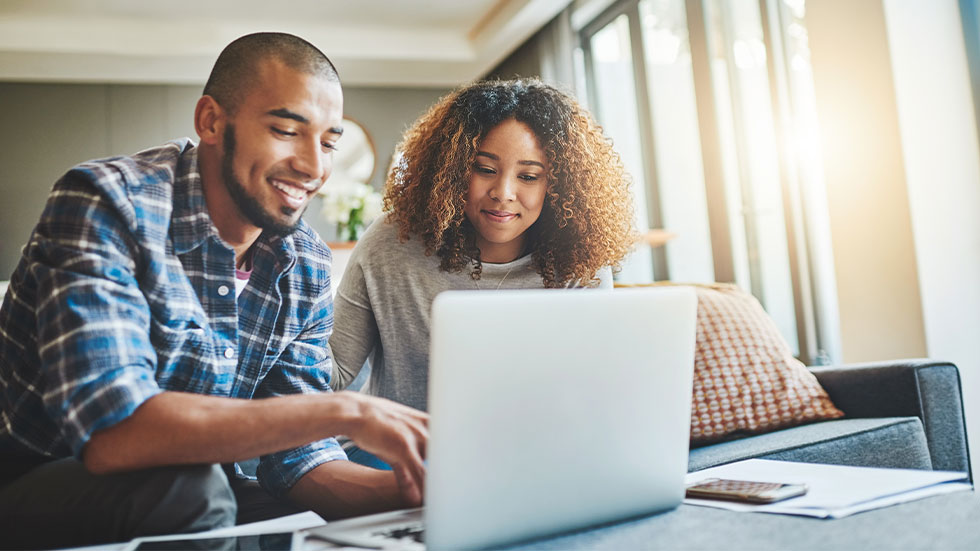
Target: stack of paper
{"points": [[835, 491]]}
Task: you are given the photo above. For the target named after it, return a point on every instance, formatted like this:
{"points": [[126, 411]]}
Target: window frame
{"points": [[719, 222]]}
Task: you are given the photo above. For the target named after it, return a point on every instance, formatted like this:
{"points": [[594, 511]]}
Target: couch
{"points": [[899, 414]]}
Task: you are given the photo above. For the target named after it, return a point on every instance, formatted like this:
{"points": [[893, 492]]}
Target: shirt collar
{"points": [[191, 223]]}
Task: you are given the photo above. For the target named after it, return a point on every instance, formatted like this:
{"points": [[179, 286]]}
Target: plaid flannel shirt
{"points": [[125, 290]]}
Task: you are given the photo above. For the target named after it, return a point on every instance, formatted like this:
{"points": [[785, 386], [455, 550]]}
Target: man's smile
{"points": [[293, 194]]}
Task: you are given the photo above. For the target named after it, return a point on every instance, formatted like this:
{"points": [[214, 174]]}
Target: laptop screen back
{"points": [[553, 410]]}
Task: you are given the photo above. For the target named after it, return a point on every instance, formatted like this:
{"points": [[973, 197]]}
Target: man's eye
{"points": [[282, 132], [329, 146]]}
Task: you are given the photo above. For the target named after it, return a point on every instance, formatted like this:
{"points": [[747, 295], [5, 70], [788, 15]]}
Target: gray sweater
{"points": [[382, 310]]}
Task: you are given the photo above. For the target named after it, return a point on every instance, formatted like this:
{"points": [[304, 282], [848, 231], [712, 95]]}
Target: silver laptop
{"points": [[551, 410]]}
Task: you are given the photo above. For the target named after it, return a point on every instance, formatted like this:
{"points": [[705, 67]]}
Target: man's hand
{"points": [[177, 428], [395, 433]]}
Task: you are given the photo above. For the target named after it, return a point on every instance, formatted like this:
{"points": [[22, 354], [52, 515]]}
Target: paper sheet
{"points": [[835, 491], [290, 523]]}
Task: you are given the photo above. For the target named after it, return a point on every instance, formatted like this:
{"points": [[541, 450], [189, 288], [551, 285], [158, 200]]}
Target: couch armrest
{"points": [[927, 389]]}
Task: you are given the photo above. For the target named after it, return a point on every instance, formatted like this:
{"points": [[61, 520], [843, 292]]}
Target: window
{"points": [[677, 142], [613, 89], [711, 105]]}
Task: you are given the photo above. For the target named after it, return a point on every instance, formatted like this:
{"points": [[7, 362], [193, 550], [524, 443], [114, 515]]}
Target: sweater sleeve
{"points": [[605, 276], [355, 332]]}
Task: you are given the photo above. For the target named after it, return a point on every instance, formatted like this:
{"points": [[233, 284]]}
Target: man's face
{"points": [[278, 146]]}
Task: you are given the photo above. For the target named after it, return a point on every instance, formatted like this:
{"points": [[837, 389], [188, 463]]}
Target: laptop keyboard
{"points": [[408, 532]]}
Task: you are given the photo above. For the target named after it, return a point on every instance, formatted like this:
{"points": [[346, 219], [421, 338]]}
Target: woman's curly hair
{"points": [[586, 221]]}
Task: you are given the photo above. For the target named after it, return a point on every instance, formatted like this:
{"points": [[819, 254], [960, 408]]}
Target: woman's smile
{"points": [[499, 216]]}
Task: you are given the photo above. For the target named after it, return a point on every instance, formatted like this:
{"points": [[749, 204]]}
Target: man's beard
{"points": [[249, 206]]}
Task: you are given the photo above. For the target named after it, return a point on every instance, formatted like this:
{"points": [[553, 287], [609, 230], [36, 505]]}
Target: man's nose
{"points": [[309, 160]]}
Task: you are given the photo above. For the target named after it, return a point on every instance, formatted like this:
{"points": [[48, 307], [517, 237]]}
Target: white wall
{"points": [[867, 197], [47, 128], [942, 168], [902, 164]]}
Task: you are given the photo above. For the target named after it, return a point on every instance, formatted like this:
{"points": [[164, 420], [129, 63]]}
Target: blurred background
{"points": [[821, 154]]}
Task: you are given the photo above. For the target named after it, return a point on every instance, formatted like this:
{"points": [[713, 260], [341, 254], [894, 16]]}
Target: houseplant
{"points": [[352, 206]]}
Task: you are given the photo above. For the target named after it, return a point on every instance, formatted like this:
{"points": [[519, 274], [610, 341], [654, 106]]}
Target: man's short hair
{"points": [[236, 67]]}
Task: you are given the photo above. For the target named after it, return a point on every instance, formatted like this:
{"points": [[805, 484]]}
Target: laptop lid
{"points": [[553, 410]]}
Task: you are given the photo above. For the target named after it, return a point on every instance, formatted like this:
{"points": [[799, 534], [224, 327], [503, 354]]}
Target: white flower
{"points": [[336, 207], [347, 200], [372, 207], [359, 191]]}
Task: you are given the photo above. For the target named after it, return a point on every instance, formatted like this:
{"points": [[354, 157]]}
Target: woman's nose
{"points": [[504, 189]]}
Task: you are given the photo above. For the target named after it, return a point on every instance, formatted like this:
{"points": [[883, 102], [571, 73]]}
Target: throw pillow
{"points": [[746, 379]]}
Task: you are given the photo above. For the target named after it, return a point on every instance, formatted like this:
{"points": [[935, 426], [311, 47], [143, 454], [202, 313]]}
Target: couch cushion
{"points": [[897, 442], [746, 379]]}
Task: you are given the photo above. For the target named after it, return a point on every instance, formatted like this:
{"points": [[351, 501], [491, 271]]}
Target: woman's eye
{"points": [[484, 170], [329, 146], [282, 132], [529, 177]]}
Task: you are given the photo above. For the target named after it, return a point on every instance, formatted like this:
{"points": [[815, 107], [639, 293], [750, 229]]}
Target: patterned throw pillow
{"points": [[746, 379]]}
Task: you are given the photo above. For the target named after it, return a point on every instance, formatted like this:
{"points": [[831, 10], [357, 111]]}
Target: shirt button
{"points": [[223, 290], [229, 353]]}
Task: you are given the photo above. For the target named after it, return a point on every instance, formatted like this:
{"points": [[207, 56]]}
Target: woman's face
{"points": [[507, 187]]}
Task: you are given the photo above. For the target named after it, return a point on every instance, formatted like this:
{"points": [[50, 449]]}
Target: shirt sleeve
{"points": [[304, 367], [92, 319]]}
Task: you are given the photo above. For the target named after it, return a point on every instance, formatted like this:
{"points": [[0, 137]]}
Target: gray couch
{"points": [[902, 414]]}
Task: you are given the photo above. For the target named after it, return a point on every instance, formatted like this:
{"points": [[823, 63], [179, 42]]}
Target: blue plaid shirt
{"points": [[125, 290]]}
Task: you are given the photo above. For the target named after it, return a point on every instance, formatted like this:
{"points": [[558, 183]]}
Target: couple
{"points": [[172, 313]]}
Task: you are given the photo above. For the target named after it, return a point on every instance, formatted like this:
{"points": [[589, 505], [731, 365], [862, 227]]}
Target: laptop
{"points": [[551, 411]]}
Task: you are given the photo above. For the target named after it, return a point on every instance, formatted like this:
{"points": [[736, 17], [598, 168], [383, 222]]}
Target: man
{"points": [[170, 313]]}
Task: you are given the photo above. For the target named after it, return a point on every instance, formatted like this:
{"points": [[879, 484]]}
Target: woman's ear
{"points": [[209, 120]]}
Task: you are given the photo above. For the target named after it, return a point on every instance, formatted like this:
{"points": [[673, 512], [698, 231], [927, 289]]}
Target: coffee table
{"points": [[944, 522]]}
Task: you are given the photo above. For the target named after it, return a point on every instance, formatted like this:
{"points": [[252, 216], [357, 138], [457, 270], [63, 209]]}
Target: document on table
{"points": [[290, 523], [835, 491]]}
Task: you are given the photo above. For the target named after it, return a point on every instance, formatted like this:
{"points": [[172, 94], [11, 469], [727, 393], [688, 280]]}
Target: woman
{"points": [[501, 185]]}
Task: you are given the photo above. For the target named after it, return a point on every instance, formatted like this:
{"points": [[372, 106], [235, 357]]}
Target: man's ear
{"points": [[209, 120]]}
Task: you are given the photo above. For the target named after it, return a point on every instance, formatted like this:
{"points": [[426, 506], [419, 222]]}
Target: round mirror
{"points": [[349, 202], [355, 158]]}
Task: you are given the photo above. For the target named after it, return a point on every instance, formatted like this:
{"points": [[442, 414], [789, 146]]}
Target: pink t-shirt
{"points": [[241, 280]]}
